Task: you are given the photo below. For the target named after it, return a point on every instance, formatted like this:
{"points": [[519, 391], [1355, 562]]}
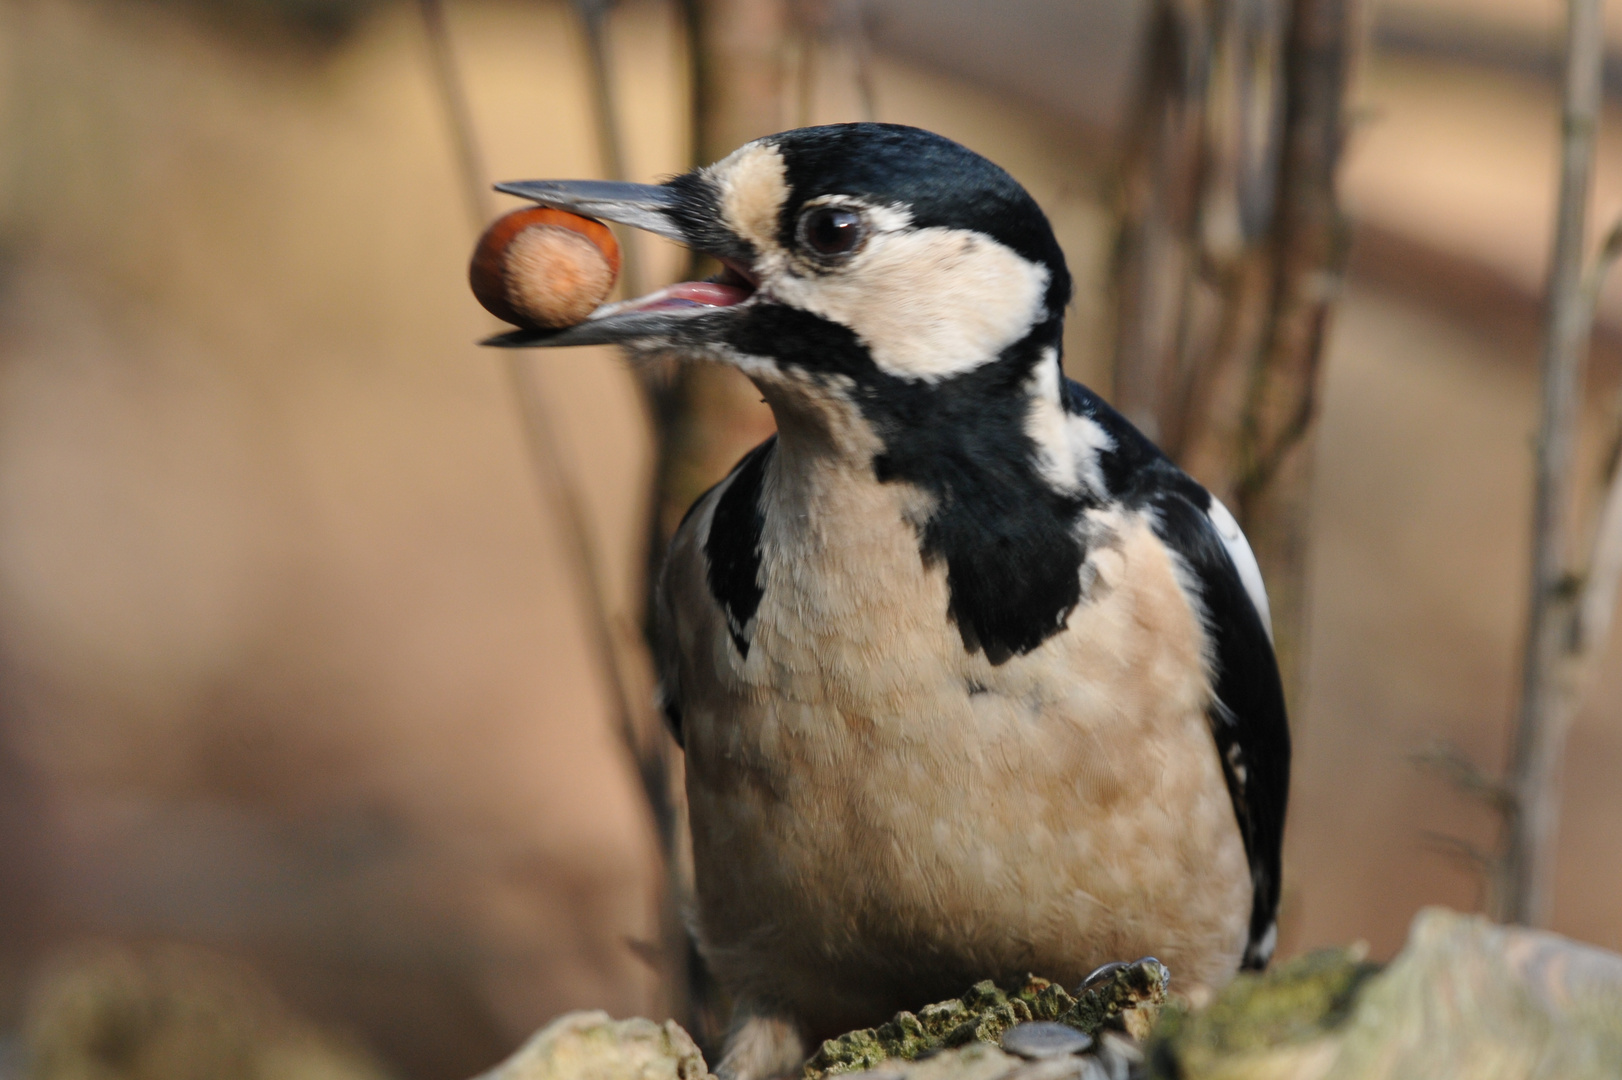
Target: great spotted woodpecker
{"points": [[971, 679]]}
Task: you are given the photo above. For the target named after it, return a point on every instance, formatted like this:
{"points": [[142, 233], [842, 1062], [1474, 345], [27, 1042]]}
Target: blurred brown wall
{"points": [[292, 662], [290, 658]]}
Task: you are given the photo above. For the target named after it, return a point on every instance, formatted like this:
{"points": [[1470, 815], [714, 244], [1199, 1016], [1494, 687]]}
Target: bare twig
{"points": [[1594, 281], [1595, 603], [1161, 175], [1547, 700], [1480, 863], [1588, 615], [448, 83], [1275, 460], [842, 22], [1229, 251], [555, 484], [1454, 766], [610, 139], [862, 50], [563, 496], [1471, 855], [800, 57]]}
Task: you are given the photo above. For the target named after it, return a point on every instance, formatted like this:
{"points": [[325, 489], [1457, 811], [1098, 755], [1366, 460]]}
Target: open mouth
{"points": [[732, 286]]}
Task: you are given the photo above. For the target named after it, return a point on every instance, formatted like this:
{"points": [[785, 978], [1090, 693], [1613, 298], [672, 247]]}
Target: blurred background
{"points": [[305, 732]]}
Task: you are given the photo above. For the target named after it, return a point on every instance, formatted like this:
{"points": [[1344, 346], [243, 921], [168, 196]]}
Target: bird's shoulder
{"points": [[713, 565], [1247, 712], [1135, 473]]}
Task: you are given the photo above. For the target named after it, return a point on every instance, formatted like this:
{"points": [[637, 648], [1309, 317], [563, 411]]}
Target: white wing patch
{"points": [[1244, 560], [1045, 423], [1088, 441], [1068, 445]]}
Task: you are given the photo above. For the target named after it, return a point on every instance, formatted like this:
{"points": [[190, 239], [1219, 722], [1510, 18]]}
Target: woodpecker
{"points": [[972, 681]]}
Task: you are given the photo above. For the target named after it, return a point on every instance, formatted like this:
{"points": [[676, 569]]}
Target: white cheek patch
{"points": [[927, 303], [1244, 560], [754, 186]]}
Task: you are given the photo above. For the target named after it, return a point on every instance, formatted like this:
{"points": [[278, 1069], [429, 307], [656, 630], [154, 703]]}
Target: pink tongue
{"points": [[706, 293]]}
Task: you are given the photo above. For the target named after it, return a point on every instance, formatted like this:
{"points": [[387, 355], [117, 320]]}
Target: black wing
{"points": [[731, 553], [1247, 712]]}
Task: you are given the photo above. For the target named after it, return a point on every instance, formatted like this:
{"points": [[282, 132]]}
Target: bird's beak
{"points": [[673, 315]]}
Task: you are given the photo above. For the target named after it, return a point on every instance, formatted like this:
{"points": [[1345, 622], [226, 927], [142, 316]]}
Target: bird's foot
{"points": [[1099, 974], [1129, 993], [761, 1046]]}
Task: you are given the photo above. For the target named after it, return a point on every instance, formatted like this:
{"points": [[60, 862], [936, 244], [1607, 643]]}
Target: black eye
{"points": [[830, 230]]}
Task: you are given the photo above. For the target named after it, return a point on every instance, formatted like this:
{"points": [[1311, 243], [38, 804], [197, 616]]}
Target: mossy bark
{"points": [[1129, 998]]}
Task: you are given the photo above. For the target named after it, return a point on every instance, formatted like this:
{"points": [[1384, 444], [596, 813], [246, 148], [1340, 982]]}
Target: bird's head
{"points": [[859, 259]]}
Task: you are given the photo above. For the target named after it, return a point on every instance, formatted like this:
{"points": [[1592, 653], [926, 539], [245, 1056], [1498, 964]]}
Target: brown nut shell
{"points": [[542, 267]]}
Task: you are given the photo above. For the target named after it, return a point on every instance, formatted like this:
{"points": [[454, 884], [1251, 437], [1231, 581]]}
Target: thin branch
{"points": [[1278, 417], [1454, 766], [1264, 463], [562, 495], [1596, 603], [448, 82], [1163, 166], [610, 139], [558, 492], [862, 49], [1594, 281], [1472, 855], [1597, 595], [815, 23], [1526, 891], [803, 47], [1481, 864]]}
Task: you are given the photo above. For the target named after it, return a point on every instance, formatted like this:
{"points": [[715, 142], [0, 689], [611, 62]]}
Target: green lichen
{"points": [[983, 1014], [988, 1024], [1291, 1004]]}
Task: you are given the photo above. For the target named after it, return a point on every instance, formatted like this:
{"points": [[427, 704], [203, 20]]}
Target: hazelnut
{"points": [[546, 268]]}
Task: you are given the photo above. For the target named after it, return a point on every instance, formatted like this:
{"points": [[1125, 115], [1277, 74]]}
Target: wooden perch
{"points": [[1464, 1000]]}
